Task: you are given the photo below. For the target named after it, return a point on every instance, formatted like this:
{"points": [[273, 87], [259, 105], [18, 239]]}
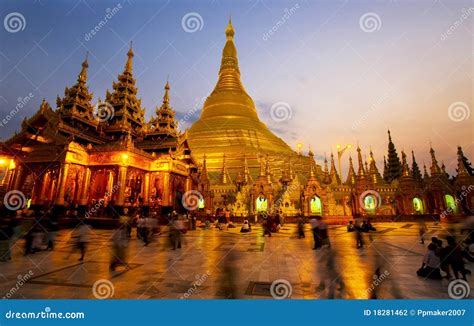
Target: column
{"points": [[146, 189], [62, 183], [17, 178], [121, 183], [85, 187], [188, 184], [44, 184], [166, 189]]}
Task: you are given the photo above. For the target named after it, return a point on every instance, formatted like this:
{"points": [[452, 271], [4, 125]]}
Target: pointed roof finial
{"points": [[128, 66], [166, 97], [229, 31], [83, 74]]}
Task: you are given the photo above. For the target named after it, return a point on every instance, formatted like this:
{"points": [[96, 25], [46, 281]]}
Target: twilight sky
{"points": [[347, 70]]}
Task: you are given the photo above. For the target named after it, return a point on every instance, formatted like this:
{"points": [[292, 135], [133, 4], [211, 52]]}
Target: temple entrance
{"points": [[418, 206], [261, 204], [316, 206], [370, 203], [201, 203], [451, 206]]}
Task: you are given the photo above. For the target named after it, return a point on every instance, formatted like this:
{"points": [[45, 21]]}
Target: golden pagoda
{"points": [[229, 124]]}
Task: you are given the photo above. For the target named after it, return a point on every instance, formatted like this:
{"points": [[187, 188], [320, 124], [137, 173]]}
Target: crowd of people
{"points": [[442, 259]]}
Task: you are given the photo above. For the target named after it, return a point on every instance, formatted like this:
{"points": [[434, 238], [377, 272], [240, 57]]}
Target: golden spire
{"points": [[434, 169], [229, 31], [83, 75], [361, 171], [462, 170], [334, 175], [224, 173], [166, 97], [351, 174], [405, 168], [129, 64]]}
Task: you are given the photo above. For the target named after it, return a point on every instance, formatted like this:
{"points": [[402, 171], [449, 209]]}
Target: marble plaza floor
{"points": [[224, 264]]}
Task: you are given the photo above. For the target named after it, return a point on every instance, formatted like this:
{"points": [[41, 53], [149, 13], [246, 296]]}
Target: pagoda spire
{"points": [[434, 169], [76, 105], [229, 72], [82, 78], [311, 164], [334, 175], [224, 173], [204, 174], [128, 114], [351, 175], [394, 165], [405, 168], [415, 170], [361, 171], [129, 64], [467, 165], [373, 170]]}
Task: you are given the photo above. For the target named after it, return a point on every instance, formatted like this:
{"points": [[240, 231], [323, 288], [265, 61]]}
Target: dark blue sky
{"points": [[344, 84]]}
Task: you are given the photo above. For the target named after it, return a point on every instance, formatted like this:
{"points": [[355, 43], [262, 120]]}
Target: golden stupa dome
{"points": [[229, 123]]}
